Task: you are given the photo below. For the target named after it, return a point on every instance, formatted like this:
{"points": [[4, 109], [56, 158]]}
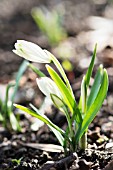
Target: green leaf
{"points": [[90, 68], [40, 117], [91, 113], [17, 161], [14, 123], [88, 75], [36, 70], [96, 86], [6, 107], [22, 69], [67, 97], [83, 96], [61, 70], [57, 133], [77, 115], [39, 18], [76, 120], [57, 101], [6, 111], [1, 117], [64, 109], [52, 29]]}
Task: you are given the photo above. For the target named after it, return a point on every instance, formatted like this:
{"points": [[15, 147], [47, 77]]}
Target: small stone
{"points": [[102, 139], [50, 162], [109, 145], [107, 127], [35, 161]]}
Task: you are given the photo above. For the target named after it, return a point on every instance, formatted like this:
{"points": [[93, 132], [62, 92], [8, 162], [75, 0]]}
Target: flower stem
{"points": [[69, 121], [83, 141]]}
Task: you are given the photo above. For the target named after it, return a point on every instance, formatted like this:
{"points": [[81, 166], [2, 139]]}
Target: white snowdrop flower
{"points": [[31, 52], [48, 87]]}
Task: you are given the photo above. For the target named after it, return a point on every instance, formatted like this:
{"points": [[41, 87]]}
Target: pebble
{"points": [[109, 145]]}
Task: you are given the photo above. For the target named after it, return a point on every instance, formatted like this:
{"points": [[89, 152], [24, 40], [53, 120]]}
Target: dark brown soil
{"points": [[20, 151]]}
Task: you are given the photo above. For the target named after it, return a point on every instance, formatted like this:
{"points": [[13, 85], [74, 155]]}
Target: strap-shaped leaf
{"points": [[96, 86], [59, 67], [43, 118], [77, 115], [36, 70], [83, 96], [1, 117], [64, 109], [67, 97], [58, 102], [5, 108], [22, 69], [62, 106], [88, 74], [6, 111], [91, 113], [14, 122], [90, 68], [1, 110], [58, 135], [56, 132]]}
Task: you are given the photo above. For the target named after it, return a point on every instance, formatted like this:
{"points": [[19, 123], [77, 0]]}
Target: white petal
{"points": [[31, 51], [18, 52], [48, 86]]}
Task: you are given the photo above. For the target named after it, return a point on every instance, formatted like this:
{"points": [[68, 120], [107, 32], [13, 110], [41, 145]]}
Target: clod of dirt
{"points": [[61, 164], [84, 165], [109, 166]]}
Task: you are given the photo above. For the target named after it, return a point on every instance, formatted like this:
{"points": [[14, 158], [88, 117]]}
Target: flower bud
{"points": [[48, 87], [31, 52]]}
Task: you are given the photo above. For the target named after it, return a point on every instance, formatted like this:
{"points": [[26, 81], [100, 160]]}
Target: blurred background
{"points": [[67, 28]]}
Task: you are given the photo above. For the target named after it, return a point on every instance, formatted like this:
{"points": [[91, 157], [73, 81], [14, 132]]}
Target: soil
{"points": [[30, 149]]}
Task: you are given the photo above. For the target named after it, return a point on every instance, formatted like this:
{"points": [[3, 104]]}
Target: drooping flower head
{"points": [[31, 52], [48, 87]]}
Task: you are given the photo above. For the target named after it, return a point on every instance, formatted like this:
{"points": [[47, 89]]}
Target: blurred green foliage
{"points": [[50, 24], [7, 116]]}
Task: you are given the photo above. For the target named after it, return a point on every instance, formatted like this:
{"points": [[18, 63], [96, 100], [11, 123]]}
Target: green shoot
{"points": [[49, 23], [17, 161], [59, 91], [6, 107]]}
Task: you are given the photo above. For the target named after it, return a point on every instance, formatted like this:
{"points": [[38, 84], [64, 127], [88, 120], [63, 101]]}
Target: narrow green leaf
{"points": [[88, 74], [39, 18], [14, 123], [40, 117], [1, 117], [5, 108], [67, 97], [64, 109], [36, 70], [91, 113], [96, 86], [57, 133], [21, 70], [90, 68], [6, 112], [1, 103], [77, 115], [83, 96], [76, 120], [59, 103], [61, 70]]}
